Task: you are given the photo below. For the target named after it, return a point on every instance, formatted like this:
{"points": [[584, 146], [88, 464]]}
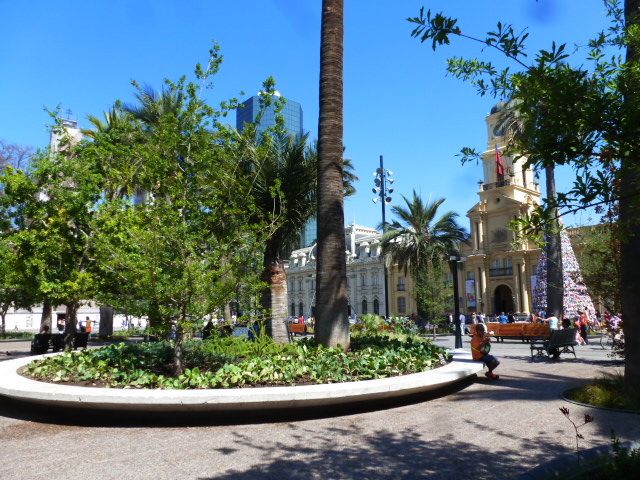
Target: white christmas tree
{"points": [[576, 298]]}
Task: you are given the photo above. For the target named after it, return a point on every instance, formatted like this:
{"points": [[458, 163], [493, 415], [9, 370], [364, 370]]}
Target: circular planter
{"points": [[20, 388]]}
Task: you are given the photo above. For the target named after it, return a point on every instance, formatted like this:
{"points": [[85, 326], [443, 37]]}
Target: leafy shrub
{"points": [[232, 362]]}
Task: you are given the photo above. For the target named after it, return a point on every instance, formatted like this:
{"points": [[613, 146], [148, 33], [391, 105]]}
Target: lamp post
{"points": [[382, 177], [453, 262]]}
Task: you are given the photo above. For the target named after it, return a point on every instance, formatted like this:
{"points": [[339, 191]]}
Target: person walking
{"points": [[584, 325]]}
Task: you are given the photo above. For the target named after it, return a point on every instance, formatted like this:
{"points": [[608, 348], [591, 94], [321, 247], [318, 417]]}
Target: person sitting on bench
{"points": [[480, 347]]}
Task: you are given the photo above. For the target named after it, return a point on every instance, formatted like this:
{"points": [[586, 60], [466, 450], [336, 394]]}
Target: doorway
{"points": [[503, 299]]}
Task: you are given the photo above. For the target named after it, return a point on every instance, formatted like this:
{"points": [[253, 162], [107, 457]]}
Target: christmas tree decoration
{"points": [[576, 298]]}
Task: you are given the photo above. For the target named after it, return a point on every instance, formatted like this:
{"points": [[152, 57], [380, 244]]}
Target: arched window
{"points": [[300, 309], [293, 309], [364, 307], [376, 307]]}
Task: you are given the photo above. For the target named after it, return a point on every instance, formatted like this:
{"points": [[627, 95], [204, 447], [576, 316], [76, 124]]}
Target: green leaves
{"points": [[437, 28], [212, 365]]}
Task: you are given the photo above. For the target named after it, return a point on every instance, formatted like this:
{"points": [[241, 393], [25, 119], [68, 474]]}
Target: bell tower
{"points": [[499, 265]]}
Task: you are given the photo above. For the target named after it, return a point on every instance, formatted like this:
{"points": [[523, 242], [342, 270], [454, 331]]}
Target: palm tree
{"points": [[419, 240], [332, 324], [153, 106], [284, 193], [512, 122]]}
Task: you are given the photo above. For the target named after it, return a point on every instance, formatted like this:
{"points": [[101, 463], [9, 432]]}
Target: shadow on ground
{"points": [[381, 455]]}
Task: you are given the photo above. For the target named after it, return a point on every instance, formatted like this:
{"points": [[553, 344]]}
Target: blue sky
{"points": [[399, 103]]}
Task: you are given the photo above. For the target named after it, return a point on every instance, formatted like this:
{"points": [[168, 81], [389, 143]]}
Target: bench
{"points": [[298, 328], [43, 341], [40, 343], [560, 341], [522, 331]]}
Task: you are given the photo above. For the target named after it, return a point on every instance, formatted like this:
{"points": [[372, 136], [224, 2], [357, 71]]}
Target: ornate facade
{"points": [[498, 272]]}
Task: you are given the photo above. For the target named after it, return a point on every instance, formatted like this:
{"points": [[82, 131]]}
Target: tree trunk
{"points": [[70, 325], [274, 297], [3, 314], [178, 347], [630, 222], [332, 323], [555, 284], [45, 319]]}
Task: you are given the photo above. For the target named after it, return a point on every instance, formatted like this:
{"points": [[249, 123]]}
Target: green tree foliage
{"points": [[419, 240], [49, 211], [586, 115]]}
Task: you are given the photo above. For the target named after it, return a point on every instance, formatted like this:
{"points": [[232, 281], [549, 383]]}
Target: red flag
{"points": [[499, 162]]}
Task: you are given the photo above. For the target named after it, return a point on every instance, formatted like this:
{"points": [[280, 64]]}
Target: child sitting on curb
{"points": [[480, 347]]}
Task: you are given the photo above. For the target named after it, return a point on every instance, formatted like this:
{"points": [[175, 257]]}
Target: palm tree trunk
{"points": [[630, 223], [332, 323], [274, 297], [555, 285]]}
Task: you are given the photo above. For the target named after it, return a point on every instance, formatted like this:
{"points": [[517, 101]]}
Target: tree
{"points": [[420, 240], [512, 122], [332, 324], [15, 155], [50, 210], [589, 119], [284, 193]]}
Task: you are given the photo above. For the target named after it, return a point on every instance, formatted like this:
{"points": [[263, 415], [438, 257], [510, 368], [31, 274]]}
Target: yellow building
{"points": [[498, 274]]}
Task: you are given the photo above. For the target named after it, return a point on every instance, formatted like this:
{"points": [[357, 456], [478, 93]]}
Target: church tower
{"points": [[498, 268]]}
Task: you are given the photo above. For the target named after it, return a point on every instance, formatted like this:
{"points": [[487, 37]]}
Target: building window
{"points": [[402, 305], [364, 307], [374, 279], [293, 309], [471, 275], [300, 285], [376, 307], [401, 284], [477, 235], [363, 279], [300, 309], [507, 262]]}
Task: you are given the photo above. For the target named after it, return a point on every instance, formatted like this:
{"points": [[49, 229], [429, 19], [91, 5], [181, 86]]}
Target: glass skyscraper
{"points": [[291, 112]]}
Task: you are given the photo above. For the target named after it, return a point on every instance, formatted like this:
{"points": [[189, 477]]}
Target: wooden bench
{"points": [[298, 328], [560, 341], [521, 331]]}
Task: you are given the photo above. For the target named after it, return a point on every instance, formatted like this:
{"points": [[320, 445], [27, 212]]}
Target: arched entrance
{"points": [[503, 299]]}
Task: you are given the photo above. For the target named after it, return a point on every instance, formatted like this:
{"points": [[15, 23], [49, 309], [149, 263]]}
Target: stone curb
{"points": [[20, 388]]}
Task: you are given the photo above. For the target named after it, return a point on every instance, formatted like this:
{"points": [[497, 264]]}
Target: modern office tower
{"points": [[248, 111]]}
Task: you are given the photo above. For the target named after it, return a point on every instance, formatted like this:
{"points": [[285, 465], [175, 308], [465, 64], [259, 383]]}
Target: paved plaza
{"points": [[482, 430]]}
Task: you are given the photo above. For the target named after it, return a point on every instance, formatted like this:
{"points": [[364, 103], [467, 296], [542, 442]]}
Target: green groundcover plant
{"points": [[234, 362]]}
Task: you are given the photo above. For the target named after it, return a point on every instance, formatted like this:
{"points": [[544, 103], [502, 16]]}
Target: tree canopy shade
{"points": [[588, 118], [332, 324], [421, 240]]}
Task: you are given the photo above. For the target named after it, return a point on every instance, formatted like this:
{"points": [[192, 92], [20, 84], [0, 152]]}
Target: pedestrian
{"points": [[584, 325]]}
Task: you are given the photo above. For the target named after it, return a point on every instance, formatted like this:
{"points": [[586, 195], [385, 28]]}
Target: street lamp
{"points": [[454, 260], [382, 177]]}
